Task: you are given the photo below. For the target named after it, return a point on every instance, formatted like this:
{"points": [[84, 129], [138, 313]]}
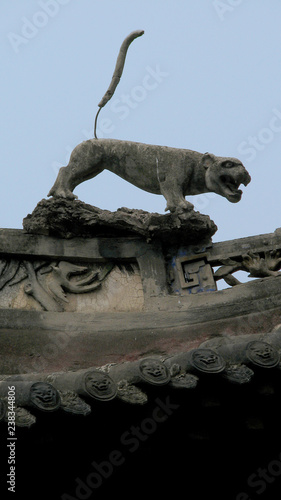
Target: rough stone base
{"points": [[72, 218]]}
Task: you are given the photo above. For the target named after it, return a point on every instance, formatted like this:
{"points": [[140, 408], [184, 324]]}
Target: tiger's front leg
{"points": [[173, 194]]}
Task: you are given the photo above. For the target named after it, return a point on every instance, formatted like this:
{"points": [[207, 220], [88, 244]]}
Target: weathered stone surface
{"points": [[38, 286], [174, 173], [72, 218], [55, 341]]}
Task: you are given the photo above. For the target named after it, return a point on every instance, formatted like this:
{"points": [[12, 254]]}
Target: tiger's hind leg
{"points": [[84, 164]]}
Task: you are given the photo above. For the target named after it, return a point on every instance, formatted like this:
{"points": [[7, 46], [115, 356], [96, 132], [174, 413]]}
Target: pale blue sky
{"points": [[206, 75]]}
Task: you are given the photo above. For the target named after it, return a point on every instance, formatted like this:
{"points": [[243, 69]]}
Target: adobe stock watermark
{"points": [[256, 143], [130, 441], [261, 479], [122, 107], [48, 9], [225, 7], [202, 201]]}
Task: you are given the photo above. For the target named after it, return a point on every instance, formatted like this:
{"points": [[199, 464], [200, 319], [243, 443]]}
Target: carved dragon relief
{"points": [[63, 277], [50, 283], [199, 272], [259, 265]]}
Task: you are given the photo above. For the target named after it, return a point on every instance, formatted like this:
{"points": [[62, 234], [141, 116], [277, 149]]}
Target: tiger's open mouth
{"points": [[231, 187]]}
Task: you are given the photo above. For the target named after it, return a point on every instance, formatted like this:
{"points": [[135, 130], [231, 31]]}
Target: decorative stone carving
{"points": [[238, 374], [181, 379], [44, 396], [262, 354], [40, 395], [235, 360], [258, 265], [202, 360], [245, 354], [48, 283], [62, 279], [154, 372], [92, 383], [23, 418], [100, 386], [151, 371], [207, 361], [72, 403], [174, 173], [34, 288], [197, 268], [129, 393], [8, 269], [195, 273]]}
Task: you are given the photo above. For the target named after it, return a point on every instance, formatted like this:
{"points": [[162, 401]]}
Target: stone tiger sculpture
{"points": [[172, 172]]}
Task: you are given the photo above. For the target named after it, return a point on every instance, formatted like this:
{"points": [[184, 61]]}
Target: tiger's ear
{"points": [[207, 160]]}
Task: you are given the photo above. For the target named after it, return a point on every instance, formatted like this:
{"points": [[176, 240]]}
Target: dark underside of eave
{"points": [[211, 442]]}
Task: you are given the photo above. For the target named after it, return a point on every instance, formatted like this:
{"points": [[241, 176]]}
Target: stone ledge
{"points": [[74, 218]]}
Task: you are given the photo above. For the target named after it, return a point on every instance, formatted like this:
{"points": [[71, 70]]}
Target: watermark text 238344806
{"points": [[11, 439]]}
